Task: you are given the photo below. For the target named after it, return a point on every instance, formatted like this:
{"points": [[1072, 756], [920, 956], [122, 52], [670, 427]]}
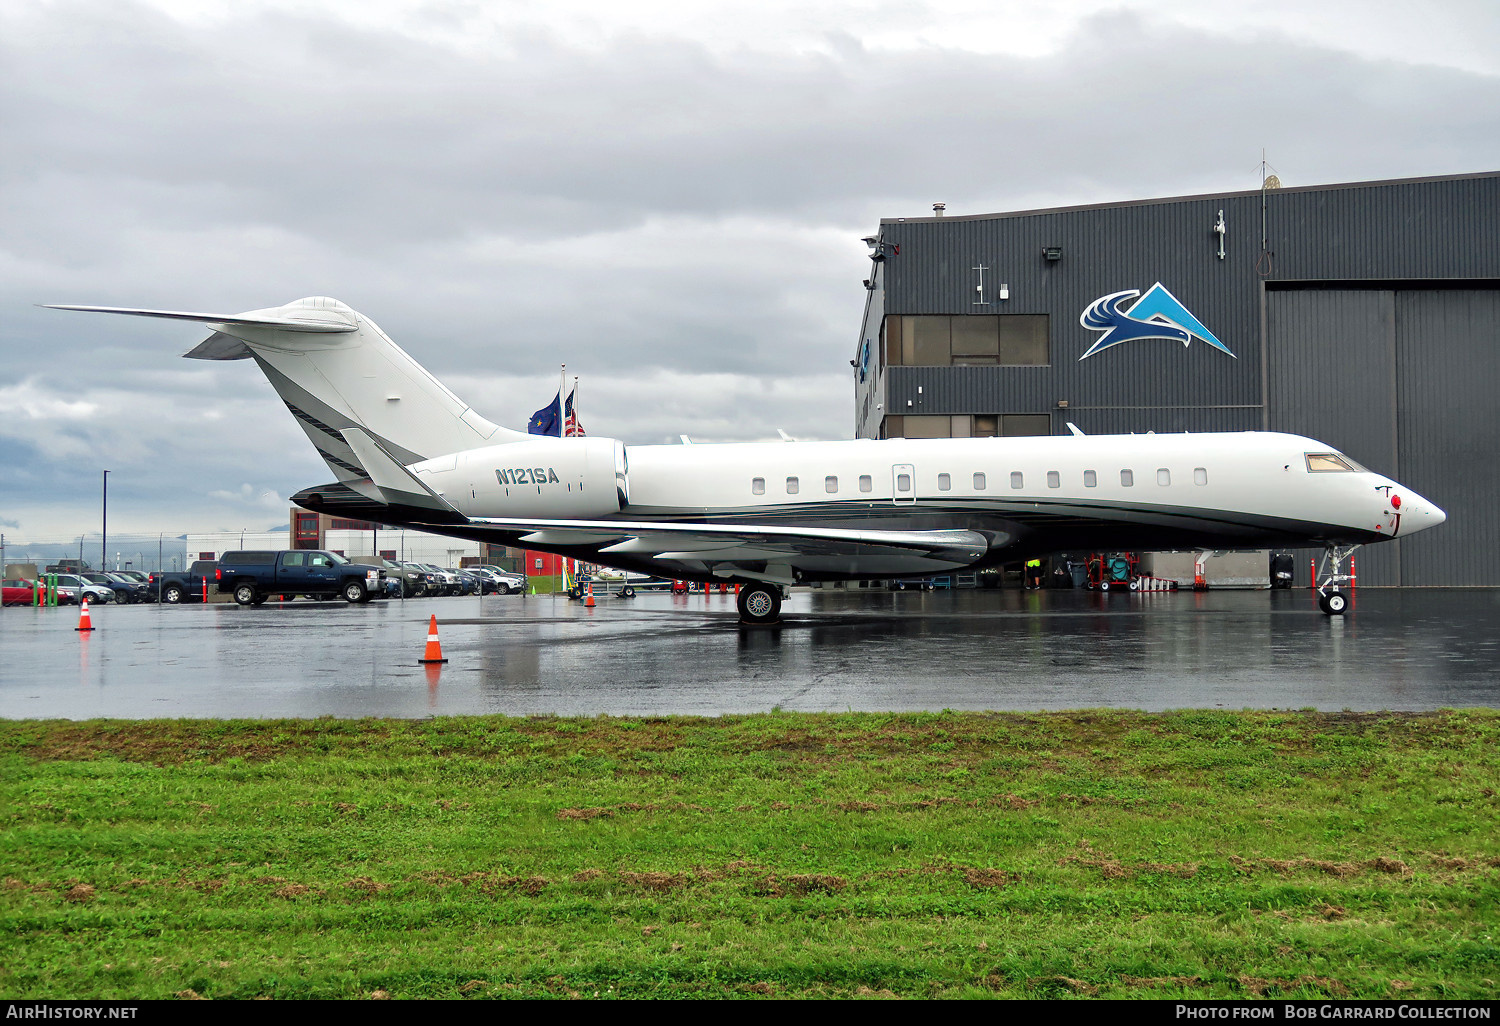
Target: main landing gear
{"points": [[1330, 576], [759, 603]]}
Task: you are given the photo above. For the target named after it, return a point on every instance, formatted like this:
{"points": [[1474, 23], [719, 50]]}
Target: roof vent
{"points": [[938, 208]]}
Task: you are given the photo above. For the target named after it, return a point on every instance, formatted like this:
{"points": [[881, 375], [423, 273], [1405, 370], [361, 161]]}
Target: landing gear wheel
{"points": [[1330, 576], [759, 604], [1333, 603], [244, 594]]}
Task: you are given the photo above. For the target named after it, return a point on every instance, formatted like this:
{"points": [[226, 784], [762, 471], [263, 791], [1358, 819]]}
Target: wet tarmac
{"points": [[659, 654]]}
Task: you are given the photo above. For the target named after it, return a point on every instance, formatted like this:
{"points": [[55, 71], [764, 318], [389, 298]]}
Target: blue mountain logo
{"points": [[1157, 314]]}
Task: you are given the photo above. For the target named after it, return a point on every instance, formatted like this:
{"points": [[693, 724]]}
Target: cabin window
{"points": [[830, 484], [758, 486], [979, 482], [1163, 477], [792, 486], [945, 483], [903, 483], [1200, 476], [1017, 479], [1127, 478], [865, 484], [1054, 479], [1090, 479]]}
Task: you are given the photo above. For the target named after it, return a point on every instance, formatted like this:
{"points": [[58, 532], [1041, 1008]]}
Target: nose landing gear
{"points": [[1331, 599]]}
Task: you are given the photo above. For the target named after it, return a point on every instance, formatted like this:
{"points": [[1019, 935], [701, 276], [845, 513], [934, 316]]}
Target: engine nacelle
{"points": [[569, 478]]}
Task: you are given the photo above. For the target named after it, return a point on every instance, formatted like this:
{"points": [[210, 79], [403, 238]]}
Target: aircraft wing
{"points": [[758, 552]]}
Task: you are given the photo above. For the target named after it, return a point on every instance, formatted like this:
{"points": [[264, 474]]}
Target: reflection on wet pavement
{"points": [[659, 654]]}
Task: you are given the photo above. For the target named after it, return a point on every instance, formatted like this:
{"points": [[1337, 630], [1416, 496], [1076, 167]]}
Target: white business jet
{"points": [[407, 451]]}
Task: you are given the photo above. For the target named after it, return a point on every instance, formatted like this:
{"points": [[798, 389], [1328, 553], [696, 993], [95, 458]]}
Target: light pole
{"points": [[103, 528]]}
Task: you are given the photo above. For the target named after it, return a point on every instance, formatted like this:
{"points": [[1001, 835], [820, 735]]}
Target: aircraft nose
{"points": [[1420, 513]]}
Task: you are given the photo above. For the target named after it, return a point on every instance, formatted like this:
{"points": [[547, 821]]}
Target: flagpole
{"points": [[576, 421]]}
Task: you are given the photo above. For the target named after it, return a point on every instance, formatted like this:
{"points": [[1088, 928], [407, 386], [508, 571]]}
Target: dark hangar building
{"points": [[1365, 315]]}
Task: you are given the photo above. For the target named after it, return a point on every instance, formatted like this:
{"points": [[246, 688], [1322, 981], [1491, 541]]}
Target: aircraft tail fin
{"points": [[335, 369]]}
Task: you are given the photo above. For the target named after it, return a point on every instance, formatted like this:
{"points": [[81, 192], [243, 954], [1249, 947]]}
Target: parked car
{"points": [[472, 583], [125, 591], [510, 581], [72, 589], [18, 592], [449, 580], [421, 581]]}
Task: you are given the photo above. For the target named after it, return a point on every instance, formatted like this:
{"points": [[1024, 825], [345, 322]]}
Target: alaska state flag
{"points": [[547, 420]]}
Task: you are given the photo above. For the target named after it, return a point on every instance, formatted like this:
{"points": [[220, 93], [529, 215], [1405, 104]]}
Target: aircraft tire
{"points": [[1334, 603], [759, 604]]}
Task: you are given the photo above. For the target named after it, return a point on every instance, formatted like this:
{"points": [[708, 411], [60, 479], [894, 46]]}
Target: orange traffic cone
{"points": [[434, 652], [83, 617], [589, 602]]}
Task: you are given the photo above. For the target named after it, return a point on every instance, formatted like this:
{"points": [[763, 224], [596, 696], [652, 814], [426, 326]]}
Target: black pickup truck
{"points": [[253, 576], [192, 586]]}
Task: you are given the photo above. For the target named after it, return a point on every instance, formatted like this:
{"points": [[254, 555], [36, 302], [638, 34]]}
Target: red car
{"points": [[18, 592]]}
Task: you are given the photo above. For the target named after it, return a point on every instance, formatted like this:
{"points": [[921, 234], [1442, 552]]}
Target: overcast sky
{"points": [[667, 197]]}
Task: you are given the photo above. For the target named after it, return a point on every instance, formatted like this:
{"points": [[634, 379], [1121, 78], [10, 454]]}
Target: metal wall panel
{"points": [[1331, 375], [1448, 346]]}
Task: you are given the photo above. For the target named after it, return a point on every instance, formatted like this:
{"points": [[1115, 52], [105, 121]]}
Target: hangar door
{"points": [[1403, 380]]}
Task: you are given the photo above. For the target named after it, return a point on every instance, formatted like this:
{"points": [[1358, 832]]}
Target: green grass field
{"points": [[1117, 854]]}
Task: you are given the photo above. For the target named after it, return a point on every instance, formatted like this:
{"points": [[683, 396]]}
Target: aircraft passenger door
{"points": [[903, 484]]}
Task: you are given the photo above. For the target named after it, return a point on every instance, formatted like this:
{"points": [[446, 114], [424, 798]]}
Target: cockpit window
{"points": [[1323, 462]]}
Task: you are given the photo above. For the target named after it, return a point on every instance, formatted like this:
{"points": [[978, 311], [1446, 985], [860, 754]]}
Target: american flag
{"points": [[571, 427]]}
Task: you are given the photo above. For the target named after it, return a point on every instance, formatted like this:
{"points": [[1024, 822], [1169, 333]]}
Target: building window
{"points": [[1127, 478], [1090, 479], [979, 482], [1015, 425], [1017, 479], [1054, 479], [927, 427], [865, 484], [1017, 340], [830, 484], [1200, 476], [965, 425], [1163, 477], [791, 486], [945, 483], [758, 486]]}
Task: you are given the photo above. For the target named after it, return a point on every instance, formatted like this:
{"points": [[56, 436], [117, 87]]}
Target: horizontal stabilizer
{"points": [[312, 321], [219, 346]]}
